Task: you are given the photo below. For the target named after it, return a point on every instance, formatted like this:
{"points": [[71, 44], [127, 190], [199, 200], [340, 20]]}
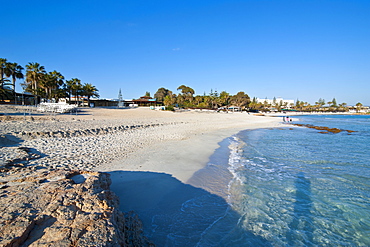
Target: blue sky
{"points": [[298, 49]]}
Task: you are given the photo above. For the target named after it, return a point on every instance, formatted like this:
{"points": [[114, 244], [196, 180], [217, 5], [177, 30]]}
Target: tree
{"points": [[162, 93], [334, 103], [89, 91], [34, 75], [343, 107], [186, 90], [3, 63], [241, 99], [14, 71], [321, 102], [169, 100], [147, 94], [180, 100], [358, 107], [224, 98], [51, 83], [254, 104], [198, 99], [187, 93], [73, 87]]}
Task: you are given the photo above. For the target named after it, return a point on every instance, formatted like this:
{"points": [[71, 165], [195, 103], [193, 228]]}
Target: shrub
{"points": [[170, 108]]}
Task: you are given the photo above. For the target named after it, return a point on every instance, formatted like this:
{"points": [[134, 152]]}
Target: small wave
{"points": [[236, 155]]}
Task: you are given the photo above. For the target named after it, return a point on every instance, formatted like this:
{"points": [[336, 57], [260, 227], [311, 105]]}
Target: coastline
{"points": [[190, 147], [136, 146]]}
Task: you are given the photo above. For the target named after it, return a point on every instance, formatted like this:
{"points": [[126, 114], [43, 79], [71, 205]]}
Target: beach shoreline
{"points": [[187, 148], [135, 146]]}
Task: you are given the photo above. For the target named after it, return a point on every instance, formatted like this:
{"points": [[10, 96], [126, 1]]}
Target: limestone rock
{"points": [[63, 208]]}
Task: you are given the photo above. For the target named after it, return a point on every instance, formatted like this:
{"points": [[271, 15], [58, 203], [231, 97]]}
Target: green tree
{"points": [[241, 99], [89, 91], [73, 87], [14, 71], [187, 93], [3, 63], [186, 90], [224, 98], [34, 75], [254, 104], [343, 107], [51, 83], [169, 100], [198, 99], [162, 93], [334, 103], [180, 100], [206, 102], [320, 102], [358, 107]]}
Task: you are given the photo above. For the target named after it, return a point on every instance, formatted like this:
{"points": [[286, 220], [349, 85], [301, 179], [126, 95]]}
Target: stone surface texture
{"points": [[41, 207]]}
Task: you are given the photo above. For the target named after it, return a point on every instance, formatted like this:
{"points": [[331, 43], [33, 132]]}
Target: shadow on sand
{"points": [[8, 140], [178, 214]]}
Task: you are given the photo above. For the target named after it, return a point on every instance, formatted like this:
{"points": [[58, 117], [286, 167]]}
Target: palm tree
{"points": [[3, 63], [34, 75], [52, 82], [169, 100], [14, 71], [73, 87], [90, 91], [343, 107]]}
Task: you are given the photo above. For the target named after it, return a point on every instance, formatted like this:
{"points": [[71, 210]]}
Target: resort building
{"points": [[146, 101]]}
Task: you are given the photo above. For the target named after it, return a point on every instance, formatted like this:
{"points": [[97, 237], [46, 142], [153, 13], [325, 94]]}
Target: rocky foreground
{"points": [[41, 207]]}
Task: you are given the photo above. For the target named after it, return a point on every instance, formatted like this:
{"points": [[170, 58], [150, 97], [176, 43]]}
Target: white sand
{"points": [[139, 139], [186, 148]]}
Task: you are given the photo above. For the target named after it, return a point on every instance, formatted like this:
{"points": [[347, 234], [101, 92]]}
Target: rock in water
{"points": [[63, 208]]}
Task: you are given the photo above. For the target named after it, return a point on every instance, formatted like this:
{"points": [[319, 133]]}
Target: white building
{"points": [[277, 101]]}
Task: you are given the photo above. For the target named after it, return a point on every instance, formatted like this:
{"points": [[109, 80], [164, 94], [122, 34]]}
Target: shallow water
{"points": [[290, 186]]}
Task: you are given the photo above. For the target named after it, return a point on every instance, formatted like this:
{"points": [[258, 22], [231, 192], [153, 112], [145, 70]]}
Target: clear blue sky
{"points": [[305, 49]]}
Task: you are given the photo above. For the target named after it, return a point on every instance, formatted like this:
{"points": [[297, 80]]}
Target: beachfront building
{"points": [[146, 101], [272, 103]]}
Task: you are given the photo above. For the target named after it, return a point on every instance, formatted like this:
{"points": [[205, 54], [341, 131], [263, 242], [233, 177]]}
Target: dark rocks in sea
{"points": [[325, 130]]}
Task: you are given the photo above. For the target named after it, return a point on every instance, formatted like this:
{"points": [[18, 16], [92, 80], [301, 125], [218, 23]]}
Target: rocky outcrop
{"points": [[40, 207]]}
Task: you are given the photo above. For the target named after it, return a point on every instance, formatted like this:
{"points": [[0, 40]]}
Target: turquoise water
{"points": [[299, 187], [290, 186]]}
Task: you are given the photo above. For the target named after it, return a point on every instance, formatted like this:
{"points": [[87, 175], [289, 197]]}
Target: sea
{"points": [[286, 186]]}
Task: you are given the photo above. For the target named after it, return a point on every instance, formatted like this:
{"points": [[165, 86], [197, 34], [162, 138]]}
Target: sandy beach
{"points": [[102, 139], [140, 148]]}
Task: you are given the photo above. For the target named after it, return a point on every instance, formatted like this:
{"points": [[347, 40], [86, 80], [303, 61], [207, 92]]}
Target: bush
{"points": [[170, 108]]}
